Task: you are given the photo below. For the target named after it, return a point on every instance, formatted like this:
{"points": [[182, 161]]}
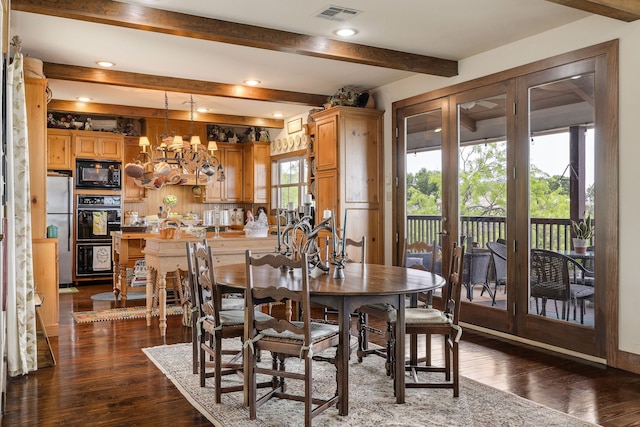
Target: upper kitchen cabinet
{"points": [[97, 145], [229, 190], [347, 157], [154, 128], [59, 150], [130, 191], [257, 172]]}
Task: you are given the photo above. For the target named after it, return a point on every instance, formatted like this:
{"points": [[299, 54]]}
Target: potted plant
{"points": [[583, 231]]}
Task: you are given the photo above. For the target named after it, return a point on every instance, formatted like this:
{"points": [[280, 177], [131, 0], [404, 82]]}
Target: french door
{"points": [[513, 162]]}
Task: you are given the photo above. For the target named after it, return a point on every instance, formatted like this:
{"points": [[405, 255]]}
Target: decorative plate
{"points": [[298, 141], [291, 142], [278, 144], [304, 140]]}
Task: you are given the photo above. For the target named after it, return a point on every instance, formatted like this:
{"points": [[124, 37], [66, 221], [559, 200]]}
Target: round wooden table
{"points": [[363, 284]]}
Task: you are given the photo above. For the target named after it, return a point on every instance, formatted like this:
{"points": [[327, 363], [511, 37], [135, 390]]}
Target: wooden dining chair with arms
{"points": [[285, 339], [384, 311], [557, 277], [211, 323], [430, 321]]}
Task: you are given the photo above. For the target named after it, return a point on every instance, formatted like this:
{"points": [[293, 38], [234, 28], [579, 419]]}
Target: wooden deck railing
{"points": [[546, 233]]}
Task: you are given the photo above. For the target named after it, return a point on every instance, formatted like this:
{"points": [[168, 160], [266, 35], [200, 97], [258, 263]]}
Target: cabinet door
{"points": [[257, 167], [326, 192], [233, 171], [86, 147], [131, 192], [326, 143], [59, 151], [215, 190], [110, 147]]}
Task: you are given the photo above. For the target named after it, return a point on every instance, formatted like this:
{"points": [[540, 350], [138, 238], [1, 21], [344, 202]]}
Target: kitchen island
{"points": [[164, 256]]}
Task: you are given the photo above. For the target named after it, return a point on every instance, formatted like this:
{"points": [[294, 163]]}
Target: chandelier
{"points": [[172, 157]]}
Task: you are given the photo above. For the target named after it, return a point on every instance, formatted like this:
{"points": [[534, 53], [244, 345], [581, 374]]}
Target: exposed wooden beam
{"points": [[180, 24], [141, 112], [172, 84], [467, 122], [623, 10]]}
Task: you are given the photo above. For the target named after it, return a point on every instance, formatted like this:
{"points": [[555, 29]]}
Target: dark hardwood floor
{"points": [[102, 378]]}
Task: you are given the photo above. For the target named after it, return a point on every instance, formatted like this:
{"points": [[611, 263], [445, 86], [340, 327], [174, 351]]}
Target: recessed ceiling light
{"points": [[202, 110], [84, 99], [105, 64], [252, 82], [278, 114], [346, 32]]}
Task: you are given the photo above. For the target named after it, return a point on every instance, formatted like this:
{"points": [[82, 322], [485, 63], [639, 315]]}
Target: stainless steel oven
{"points": [[96, 217]]}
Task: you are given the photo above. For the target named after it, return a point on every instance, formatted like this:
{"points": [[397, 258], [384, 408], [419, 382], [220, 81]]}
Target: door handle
{"points": [[443, 233]]}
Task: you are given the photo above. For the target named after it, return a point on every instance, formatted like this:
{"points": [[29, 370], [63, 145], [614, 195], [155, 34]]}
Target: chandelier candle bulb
{"points": [[344, 234], [333, 231], [326, 214]]}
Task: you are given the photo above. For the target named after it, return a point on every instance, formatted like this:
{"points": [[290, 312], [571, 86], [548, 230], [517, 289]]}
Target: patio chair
{"points": [[560, 278], [498, 267], [476, 265]]}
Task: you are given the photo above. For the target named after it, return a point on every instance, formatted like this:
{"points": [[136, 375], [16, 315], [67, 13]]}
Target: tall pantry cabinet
{"points": [[346, 167]]}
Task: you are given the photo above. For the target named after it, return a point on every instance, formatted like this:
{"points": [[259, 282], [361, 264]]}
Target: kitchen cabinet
{"points": [[130, 191], [59, 150], [346, 172], [97, 145], [154, 128], [229, 190], [36, 111], [257, 172], [45, 281]]}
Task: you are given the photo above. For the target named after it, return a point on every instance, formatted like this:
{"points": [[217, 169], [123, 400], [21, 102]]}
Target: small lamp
{"points": [[195, 141], [144, 143], [177, 143], [212, 146]]}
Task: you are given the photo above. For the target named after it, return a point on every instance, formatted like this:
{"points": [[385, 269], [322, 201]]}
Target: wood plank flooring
{"points": [[102, 378]]}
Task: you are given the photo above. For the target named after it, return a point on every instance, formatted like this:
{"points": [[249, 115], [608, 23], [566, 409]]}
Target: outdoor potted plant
{"points": [[583, 231]]}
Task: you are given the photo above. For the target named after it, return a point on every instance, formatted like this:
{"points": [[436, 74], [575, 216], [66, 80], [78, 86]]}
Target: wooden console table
{"points": [[127, 249]]}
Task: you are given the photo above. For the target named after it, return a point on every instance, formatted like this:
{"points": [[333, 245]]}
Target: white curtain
{"points": [[21, 322]]}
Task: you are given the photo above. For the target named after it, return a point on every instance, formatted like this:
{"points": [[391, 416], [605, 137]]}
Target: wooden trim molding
{"points": [[623, 10]]}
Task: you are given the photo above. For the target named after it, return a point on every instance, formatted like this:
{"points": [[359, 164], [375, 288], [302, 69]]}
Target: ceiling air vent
{"points": [[337, 13]]}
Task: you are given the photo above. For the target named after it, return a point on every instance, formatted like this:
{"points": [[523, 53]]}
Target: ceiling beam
{"points": [[180, 24], [623, 10], [172, 84], [142, 112]]}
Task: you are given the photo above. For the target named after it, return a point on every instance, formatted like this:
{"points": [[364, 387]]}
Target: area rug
{"points": [[371, 400], [69, 290], [108, 296], [120, 314]]}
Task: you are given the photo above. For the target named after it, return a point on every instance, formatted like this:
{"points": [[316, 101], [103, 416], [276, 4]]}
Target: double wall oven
{"points": [[96, 217]]}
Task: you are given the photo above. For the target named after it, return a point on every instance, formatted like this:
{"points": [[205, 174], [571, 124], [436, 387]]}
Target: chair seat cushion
{"points": [[318, 331], [386, 310], [232, 318], [232, 303], [581, 291], [425, 315]]}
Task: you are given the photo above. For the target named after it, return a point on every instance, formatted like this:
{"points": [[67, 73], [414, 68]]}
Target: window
{"points": [[289, 181]]}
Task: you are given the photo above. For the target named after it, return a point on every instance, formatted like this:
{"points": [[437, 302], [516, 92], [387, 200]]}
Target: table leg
{"points": [[342, 357], [162, 303], [117, 268], [149, 289], [400, 343]]}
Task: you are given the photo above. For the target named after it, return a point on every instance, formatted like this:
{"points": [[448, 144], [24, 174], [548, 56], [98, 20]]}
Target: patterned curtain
{"points": [[21, 322]]}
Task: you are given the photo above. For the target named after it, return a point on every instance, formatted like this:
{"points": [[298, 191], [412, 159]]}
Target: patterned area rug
{"points": [[69, 290], [120, 314], [108, 296], [371, 400]]}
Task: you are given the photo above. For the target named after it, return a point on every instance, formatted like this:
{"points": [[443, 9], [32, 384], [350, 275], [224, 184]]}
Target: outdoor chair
{"points": [[430, 321], [475, 272], [285, 339], [560, 278], [498, 267]]}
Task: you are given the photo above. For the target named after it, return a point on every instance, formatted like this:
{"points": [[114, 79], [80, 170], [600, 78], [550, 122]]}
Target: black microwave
{"points": [[98, 174]]}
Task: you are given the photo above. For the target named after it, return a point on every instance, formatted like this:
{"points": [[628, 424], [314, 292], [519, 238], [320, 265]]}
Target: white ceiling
{"points": [[441, 28]]}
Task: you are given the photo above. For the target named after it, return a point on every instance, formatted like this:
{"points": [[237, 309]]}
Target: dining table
{"points": [[362, 284]]}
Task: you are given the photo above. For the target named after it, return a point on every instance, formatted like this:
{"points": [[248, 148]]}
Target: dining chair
{"points": [[212, 324], [385, 311], [498, 268], [361, 257], [557, 277], [431, 321], [285, 339]]}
